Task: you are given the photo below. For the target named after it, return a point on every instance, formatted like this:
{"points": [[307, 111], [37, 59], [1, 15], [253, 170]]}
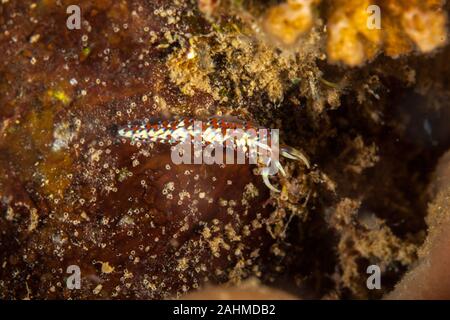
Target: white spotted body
{"points": [[214, 131], [241, 136]]}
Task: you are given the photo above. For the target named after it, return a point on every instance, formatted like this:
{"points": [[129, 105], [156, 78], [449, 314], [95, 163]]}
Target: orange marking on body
{"points": [[214, 123]]}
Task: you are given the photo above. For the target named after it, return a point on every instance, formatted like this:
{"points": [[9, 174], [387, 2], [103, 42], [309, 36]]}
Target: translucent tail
{"points": [[294, 154]]}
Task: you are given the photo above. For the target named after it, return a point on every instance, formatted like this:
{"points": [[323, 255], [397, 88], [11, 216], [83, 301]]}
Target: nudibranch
{"points": [[219, 132]]}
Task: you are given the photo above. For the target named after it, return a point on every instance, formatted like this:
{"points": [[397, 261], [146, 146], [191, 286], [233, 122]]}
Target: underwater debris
{"points": [[287, 21], [349, 39], [208, 6], [405, 25], [232, 63]]}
